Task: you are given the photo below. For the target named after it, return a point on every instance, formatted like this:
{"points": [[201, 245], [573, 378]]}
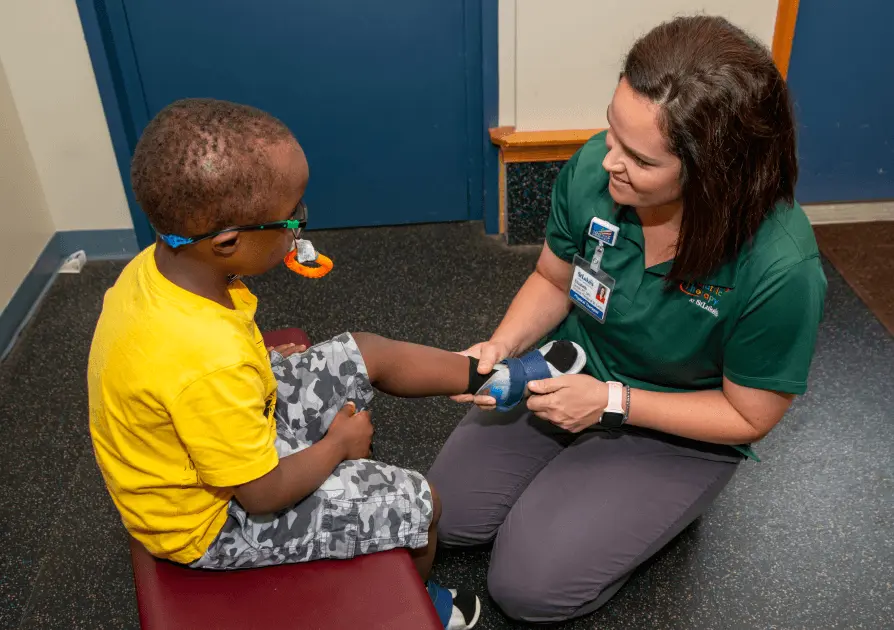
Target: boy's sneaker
{"points": [[458, 610]]}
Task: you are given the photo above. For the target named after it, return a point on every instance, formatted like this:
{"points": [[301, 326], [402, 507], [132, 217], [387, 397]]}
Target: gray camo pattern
{"points": [[363, 507]]}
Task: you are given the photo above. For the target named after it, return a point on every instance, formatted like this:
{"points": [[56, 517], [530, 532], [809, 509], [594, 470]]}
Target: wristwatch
{"points": [[613, 415]]}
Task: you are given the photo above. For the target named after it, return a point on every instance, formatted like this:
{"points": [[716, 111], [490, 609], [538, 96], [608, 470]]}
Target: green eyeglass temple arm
{"points": [[176, 241]]}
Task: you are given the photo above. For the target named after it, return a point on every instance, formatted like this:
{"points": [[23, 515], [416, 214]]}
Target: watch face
{"points": [[612, 419]]}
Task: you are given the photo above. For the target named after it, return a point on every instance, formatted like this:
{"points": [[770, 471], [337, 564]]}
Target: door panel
{"points": [[375, 95], [842, 78]]}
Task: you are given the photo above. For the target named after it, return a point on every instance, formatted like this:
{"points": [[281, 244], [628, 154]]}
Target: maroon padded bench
{"points": [[379, 591]]}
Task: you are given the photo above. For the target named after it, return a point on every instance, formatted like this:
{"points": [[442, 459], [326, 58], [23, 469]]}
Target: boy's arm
{"points": [[300, 474], [395, 367], [222, 422]]}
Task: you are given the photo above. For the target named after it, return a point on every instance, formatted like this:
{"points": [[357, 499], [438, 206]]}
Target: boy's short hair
{"points": [[203, 165]]}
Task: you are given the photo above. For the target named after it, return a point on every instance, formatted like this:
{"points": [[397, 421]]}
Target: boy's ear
{"points": [[225, 244]]}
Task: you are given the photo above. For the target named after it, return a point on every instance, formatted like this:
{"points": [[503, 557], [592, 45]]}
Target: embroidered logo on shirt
{"points": [[705, 296]]}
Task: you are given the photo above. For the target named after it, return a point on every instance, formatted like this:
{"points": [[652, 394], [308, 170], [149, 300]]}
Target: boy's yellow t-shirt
{"points": [[181, 407]]}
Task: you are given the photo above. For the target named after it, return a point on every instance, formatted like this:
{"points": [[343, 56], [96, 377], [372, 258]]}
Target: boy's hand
{"points": [[352, 432], [300, 474], [287, 350]]}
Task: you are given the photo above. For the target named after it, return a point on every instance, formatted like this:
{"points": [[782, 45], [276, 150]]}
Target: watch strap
{"points": [[615, 397], [613, 416]]}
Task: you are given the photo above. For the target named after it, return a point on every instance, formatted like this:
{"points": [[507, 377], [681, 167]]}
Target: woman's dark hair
{"points": [[726, 113]]}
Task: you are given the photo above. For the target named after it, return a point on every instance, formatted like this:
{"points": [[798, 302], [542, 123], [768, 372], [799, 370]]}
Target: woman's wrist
{"points": [[601, 401], [508, 346]]}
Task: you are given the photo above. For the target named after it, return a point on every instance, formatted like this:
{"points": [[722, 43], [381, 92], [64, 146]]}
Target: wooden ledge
{"points": [[539, 146]]}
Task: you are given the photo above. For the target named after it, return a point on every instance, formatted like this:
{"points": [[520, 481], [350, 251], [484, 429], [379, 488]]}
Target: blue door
{"points": [[384, 97], [842, 77]]}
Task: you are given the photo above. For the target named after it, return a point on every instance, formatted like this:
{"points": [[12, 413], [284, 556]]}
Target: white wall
{"points": [[51, 79], [24, 216], [560, 59]]}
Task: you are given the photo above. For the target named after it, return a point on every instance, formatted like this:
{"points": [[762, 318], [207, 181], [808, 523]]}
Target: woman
{"points": [[715, 292]]}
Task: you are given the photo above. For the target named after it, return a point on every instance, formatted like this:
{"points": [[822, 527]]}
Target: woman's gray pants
{"points": [[571, 516]]}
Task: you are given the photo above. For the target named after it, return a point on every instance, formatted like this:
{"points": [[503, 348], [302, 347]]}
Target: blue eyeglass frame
{"points": [[296, 223]]}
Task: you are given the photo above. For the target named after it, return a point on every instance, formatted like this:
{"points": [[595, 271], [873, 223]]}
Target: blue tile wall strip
{"points": [[97, 244], [26, 298]]}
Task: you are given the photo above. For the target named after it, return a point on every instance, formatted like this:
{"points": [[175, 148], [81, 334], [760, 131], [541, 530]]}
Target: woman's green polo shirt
{"points": [[753, 320]]}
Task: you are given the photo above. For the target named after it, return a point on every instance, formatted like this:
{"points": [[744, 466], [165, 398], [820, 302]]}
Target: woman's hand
{"points": [[488, 353], [572, 402]]}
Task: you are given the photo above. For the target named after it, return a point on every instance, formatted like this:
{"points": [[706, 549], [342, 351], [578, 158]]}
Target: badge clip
{"points": [[597, 258]]}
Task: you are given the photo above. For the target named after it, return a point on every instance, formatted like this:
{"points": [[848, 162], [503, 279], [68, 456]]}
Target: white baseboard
{"points": [[820, 214]]}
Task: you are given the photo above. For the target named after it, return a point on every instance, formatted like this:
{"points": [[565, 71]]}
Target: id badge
{"points": [[591, 290]]}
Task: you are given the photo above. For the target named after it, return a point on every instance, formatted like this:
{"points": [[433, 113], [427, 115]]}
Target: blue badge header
{"points": [[603, 231]]}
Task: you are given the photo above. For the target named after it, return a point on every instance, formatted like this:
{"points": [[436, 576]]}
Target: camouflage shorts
{"points": [[363, 507]]}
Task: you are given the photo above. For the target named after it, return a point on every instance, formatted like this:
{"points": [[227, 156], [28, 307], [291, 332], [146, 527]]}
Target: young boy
{"points": [[218, 454]]}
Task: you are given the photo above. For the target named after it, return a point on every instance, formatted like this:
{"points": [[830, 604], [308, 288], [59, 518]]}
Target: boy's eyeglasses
{"points": [[297, 222]]}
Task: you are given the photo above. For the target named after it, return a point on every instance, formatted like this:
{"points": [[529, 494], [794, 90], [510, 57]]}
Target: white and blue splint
{"points": [[508, 383]]}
